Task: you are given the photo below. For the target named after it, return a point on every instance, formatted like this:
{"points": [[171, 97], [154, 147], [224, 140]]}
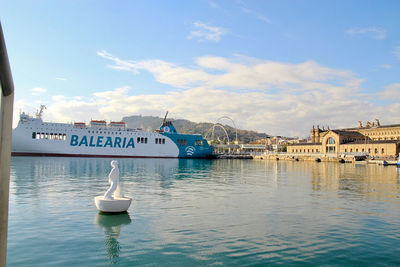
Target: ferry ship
{"points": [[33, 137]]}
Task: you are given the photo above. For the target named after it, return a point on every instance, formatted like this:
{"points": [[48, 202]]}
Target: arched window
{"points": [[330, 145]]}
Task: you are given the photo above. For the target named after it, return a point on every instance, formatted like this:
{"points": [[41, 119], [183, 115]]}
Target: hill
{"points": [[150, 123]]}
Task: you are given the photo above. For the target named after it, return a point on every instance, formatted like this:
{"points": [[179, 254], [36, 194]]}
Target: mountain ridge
{"points": [[151, 123]]}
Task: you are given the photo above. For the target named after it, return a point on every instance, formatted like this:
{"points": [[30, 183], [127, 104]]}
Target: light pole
{"points": [[7, 100]]}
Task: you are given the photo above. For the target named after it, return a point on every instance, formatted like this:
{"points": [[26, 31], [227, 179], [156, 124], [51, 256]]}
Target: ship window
{"points": [[138, 140], [156, 140], [145, 140], [184, 142], [33, 135], [163, 141], [141, 140], [383, 151], [376, 151], [64, 137]]}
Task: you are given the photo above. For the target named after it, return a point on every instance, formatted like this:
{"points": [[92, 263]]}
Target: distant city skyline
{"points": [[277, 67]]}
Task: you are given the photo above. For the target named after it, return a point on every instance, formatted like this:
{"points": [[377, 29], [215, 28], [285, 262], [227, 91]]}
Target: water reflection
{"points": [[362, 180], [111, 224]]}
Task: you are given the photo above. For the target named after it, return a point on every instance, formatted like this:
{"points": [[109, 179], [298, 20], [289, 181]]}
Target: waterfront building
{"points": [[372, 139]]}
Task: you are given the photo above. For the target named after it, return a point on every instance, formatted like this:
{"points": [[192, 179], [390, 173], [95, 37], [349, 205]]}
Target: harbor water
{"points": [[204, 212]]}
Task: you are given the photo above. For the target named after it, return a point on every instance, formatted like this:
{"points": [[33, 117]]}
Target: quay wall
{"points": [[320, 157]]}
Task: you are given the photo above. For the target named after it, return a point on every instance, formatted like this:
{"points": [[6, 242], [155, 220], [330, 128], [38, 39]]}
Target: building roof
{"points": [[368, 141], [348, 133], [370, 128]]}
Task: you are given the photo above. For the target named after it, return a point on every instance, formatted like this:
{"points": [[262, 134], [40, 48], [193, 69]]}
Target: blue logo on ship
{"points": [[101, 141]]}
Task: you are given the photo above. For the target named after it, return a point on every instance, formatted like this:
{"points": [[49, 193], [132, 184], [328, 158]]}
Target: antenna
{"points": [[165, 118], [39, 113]]}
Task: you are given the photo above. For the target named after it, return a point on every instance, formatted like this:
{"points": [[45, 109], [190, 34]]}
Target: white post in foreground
{"points": [[7, 100]]}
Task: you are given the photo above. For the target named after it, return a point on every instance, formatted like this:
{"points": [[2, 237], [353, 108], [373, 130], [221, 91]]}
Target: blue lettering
{"points": [[108, 142], [117, 142], [99, 141], [91, 142], [74, 140], [130, 143], [83, 141]]}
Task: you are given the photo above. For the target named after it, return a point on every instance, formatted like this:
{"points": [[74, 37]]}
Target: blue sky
{"points": [[273, 66]]}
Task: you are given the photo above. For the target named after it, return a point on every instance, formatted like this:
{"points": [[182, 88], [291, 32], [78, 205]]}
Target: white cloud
{"points": [[385, 66], [242, 5], [282, 114], [251, 74], [61, 79], [267, 96], [39, 90], [275, 97], [374, 32], [205, 32], [391, 92], [396, 52]]}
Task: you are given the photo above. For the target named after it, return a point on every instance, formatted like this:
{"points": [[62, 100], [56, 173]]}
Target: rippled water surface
{"points": [[204, 212]]}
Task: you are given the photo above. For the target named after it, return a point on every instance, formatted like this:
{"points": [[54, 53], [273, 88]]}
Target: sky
{"points": [[277, 67]]}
